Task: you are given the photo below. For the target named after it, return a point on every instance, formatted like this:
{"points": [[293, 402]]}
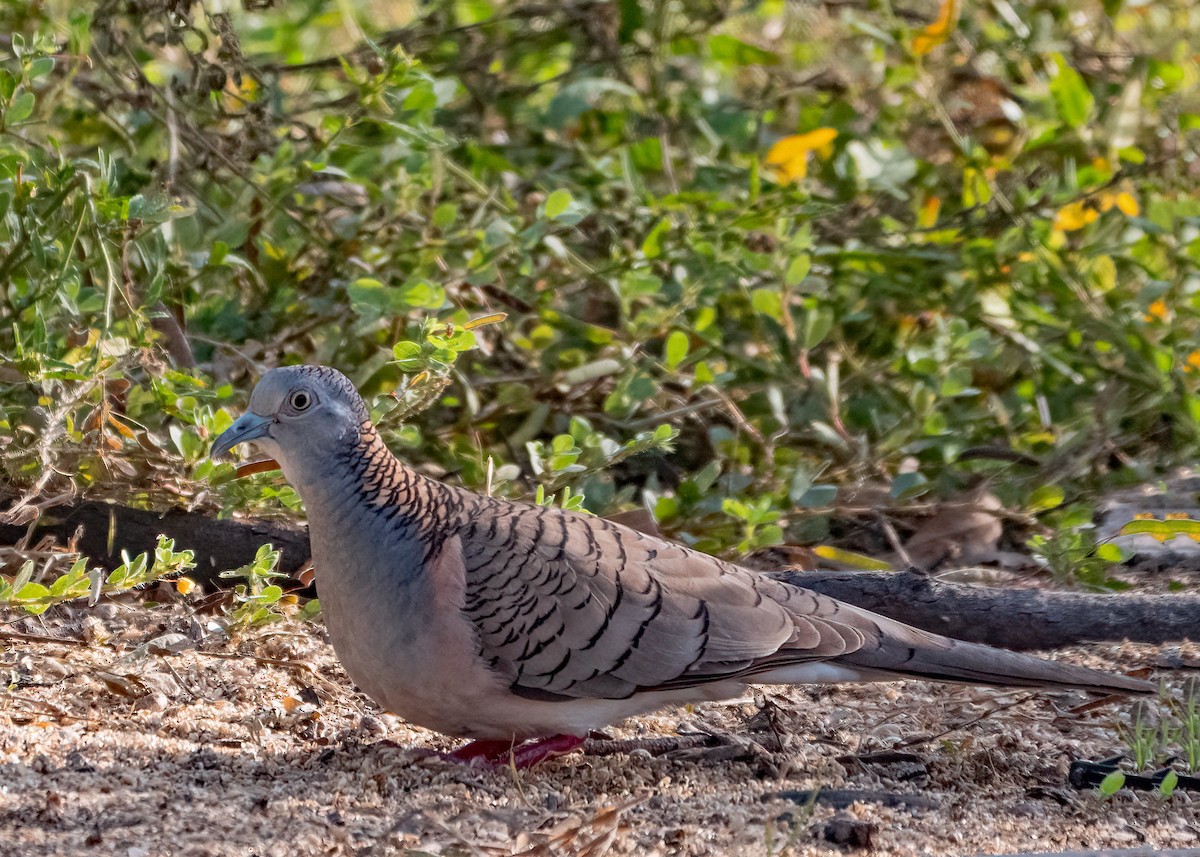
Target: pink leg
{"points": [[489, 751], [496, 754], [534, 752]]}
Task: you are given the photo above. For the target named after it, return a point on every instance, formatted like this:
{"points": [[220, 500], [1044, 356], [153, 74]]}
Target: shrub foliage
{"points": [[828, 243]]}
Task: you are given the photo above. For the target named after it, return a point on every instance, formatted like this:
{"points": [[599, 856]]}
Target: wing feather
{"points": [[571, 606]]}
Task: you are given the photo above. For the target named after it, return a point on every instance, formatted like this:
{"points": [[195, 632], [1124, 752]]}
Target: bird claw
{"points": [[500, 754]]}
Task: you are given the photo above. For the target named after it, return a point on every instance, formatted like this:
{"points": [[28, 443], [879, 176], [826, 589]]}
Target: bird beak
{"points": [[249, 426]]}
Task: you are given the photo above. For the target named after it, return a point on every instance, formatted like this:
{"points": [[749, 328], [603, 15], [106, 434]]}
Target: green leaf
{"points": [[819, 496], [728, 49], [1110, 552], [798, 269], [368, 297], [1071, 95], [421, 294], [1168, 784], [676, 348], [444, 216], [1112, 783], [652, 246], [1163, 530], [579, 96], [647, 154], [557, 204], [735, 509], [20, 109], [631, 20], [32, 592], [406, 350], [40, 67], [636, 284], [908, 485], [817, 324], [1046, 497], [498, 233], [768, 302], [1076, 516]]}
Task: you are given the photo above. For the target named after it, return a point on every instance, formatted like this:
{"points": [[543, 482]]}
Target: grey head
{"points": [[303, 417]]}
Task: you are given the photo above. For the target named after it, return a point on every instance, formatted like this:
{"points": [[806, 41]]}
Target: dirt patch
{"points": [[159, 735]]}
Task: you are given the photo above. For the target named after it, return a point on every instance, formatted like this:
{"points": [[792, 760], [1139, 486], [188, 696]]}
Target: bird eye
{"points": [[300, 400]]}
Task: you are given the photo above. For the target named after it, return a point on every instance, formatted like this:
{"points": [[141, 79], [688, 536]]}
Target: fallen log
{"points": [[101, 531], [1019, 619]]}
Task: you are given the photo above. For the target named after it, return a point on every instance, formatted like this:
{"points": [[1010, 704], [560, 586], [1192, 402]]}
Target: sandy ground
{"points": [[156, 734]]}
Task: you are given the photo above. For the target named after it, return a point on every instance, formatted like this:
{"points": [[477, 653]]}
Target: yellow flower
{"points": [[937, 32], [789, 156], [1192, 364], [1158, 311], [1074, 216]]}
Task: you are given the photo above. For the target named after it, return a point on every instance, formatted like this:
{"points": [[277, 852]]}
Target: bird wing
{"points": [[570, 605]]}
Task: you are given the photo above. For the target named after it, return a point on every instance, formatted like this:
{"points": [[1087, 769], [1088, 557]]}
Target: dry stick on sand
{"points": [[1019, 619]]}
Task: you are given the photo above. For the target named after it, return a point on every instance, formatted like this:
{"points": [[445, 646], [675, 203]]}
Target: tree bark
{"points": [[1018, 619]]}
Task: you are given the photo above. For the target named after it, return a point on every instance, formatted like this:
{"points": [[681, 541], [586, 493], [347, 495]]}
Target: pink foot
{"points": [[534, 752], [497, 754], [489, 751]]}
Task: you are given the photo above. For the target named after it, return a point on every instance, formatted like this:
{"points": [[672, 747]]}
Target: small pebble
{"points": [[156, 701], [371, 726]]}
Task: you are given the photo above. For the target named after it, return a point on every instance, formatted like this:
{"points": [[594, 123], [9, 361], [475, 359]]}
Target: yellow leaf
{"points": [[850, 558], [1074, 216], [789, 156], [929, 212], [937, 32], [121, 428], [1127, 204], [494, 318]]}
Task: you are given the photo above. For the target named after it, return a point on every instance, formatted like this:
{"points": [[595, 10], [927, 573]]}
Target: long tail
{"points": [[906, 652]]}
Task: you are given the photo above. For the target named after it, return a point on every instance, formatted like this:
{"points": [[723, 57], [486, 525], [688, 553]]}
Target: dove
{"points": [[527, 627]]}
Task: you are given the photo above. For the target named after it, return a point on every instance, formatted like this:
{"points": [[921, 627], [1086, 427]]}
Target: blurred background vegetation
{"points": [[856, 255]]}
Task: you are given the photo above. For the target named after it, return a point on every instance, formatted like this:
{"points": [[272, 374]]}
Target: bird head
{"points": [[301, 416]]}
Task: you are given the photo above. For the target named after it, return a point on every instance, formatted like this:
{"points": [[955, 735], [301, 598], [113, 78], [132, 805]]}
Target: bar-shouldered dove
{"points": [[500, 621]]}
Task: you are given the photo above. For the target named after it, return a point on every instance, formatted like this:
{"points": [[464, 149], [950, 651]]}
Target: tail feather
{"points": [[906, 652]]}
